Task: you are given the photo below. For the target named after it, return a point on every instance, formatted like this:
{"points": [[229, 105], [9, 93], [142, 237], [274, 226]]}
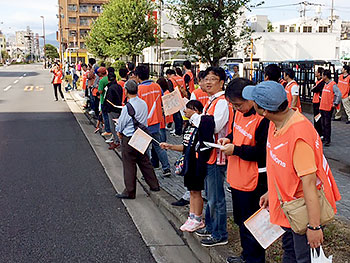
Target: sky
{"points": [[17, 14]]}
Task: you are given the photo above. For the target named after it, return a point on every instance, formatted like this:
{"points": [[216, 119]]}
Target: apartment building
{"points": [[75, 19]]}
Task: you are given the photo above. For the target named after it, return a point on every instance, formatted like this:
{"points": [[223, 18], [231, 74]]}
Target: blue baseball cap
{"points": [[269, 95]]}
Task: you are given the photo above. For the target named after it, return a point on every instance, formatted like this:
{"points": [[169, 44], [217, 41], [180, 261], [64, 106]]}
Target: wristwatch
{"points": [[314, 228]]}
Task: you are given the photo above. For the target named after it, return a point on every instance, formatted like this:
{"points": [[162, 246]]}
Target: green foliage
{"points": [[124, 28], [118, 64], [269, 26], [4, 54], [51, 51], [211, 29]]}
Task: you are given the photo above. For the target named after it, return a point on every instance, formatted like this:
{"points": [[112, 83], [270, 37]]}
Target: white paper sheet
{"points": [[172, 102], [140, 141], [261, 228], [213, 145]]}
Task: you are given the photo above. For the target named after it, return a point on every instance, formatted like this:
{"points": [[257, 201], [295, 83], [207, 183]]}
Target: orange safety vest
{"points": [[243, 175], [316, 97], [327, 97], [122, 84], [283, 82], [281, 172], [344, 85], [191, 83], [288, 90], [216, 155], [201, 95], [151, 93], [57, 76]]}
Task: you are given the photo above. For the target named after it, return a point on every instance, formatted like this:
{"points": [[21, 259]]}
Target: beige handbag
{"points": [[296, 212]]}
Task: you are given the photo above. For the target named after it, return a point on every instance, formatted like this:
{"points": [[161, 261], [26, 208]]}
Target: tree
{"points": [[51, 51], [211, 28], [125, 27], [269, 26]]}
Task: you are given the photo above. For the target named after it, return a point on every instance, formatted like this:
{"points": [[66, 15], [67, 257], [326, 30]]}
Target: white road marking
{"points": [[7, 88], [21, 77], [15, 81]]}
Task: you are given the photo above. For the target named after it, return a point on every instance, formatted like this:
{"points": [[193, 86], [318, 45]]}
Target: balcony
{"points": [[93, 1]]}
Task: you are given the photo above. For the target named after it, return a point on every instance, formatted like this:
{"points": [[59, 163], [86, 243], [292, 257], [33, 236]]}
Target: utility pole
{"points": [[61, 31], [44, 41], [332, 11]]}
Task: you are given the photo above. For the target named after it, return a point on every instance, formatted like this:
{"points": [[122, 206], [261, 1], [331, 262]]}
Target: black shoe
{"points": [[124, 196], [347, 122], [334, 119], [203, 232], [210, 242], [235, 260], [155, 189], [180, 202], [166, 172]]}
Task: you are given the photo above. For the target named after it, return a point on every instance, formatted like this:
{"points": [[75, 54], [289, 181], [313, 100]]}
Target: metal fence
{"points": [[158, 70]]}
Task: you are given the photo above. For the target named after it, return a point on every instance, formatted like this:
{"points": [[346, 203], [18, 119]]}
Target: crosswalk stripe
{"points": [[7, 88], [28, 88]]}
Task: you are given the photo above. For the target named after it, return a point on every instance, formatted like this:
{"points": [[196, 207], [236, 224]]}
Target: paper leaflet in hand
{"points": [[140, 141], [172, 102], [262, 229], [214, 145]]}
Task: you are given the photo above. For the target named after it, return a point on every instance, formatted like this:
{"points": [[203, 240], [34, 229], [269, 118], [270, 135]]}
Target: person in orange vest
{"points": [[317, 90], [215, 212], [245, 147], [292, 89], [173, 82], [344, 86], [151, 93], [123, 73], [200, 94], [330, 99], [296, 168], [57, 81], [188, 78]]}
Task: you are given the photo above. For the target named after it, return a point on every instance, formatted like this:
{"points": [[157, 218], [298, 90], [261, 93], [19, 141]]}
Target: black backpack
{"points": [[137, 124]]}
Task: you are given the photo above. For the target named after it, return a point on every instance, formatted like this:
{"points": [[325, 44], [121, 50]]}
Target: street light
{"points": [[44, 40]]}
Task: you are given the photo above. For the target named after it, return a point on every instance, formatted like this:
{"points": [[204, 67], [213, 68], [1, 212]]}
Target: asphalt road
{"points": [[56, 202]]}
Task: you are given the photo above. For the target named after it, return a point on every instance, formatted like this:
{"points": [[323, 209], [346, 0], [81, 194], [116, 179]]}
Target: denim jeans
{"points": [[296, 248], [106, 120], [162, 155], [154, 156], [215, 212], [178, 121]]}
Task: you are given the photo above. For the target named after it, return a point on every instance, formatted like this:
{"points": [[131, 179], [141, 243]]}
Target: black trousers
{"points": [[55, 87], [326, 120], [131, 158], [317, 124], [245, 204]]}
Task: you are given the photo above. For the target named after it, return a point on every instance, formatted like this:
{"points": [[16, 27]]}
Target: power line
{"points": [[275, 6]]}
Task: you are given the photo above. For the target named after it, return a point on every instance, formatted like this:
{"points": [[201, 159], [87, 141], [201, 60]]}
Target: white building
{"points": [[304, 38]]}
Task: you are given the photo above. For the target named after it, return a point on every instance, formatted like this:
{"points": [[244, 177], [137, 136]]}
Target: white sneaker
{"points": [[91, 112], [172, 132], [110, 140], [195, 225], [186, 224]]}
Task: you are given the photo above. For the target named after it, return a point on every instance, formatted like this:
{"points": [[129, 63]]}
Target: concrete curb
{"points": [[176, 215]]}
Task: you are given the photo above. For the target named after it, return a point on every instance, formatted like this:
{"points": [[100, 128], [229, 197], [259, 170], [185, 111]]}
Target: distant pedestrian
{"points": [[130, 156], [200, 93], [57, 81], [292, 89], [235, 72], [330, 99], [188, 78], [102, 88], [123, 74], [317, 91], [344, 86]]}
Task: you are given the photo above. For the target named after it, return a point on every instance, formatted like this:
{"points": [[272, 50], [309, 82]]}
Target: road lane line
{"points": [[15, 81], [7, 88], [21, 77]]}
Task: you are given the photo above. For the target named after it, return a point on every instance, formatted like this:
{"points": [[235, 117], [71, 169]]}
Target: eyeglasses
{"points": [[211, 79]]}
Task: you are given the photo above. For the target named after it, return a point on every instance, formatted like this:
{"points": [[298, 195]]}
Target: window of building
{"points": [[84, 33], [307, 29], [84, 21], [97, 9], [72, 7], [71, 45], [83, 9], [323, 29], [292, 29], [72, 33], [82, 45], [72, 20], [282, 28]]}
